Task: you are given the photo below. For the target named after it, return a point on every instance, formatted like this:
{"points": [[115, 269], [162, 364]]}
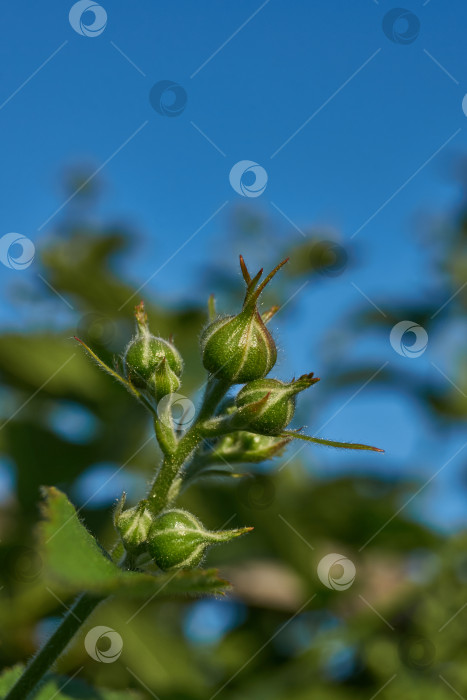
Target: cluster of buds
{"points": [[249, 428], [241, 350], [174, 539]]}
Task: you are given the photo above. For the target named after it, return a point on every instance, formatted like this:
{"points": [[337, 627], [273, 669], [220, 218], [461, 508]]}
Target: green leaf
{"points": [[330, 443], [71, 554], [75, 562], [62, 688]]}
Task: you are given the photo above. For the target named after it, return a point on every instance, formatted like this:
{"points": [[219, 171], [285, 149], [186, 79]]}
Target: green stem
{"points": [[34, 672], [216, 389], [46, 657], [170, 468], [176, 456]]}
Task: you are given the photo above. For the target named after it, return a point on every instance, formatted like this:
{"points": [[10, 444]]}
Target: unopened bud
{"points": [[240, 348], [150, 363], [242, 446], [269, 404], [178, 540], [134, 525]]}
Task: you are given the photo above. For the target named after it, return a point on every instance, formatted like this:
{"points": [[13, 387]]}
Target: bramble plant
{"points": [[155, 533]]}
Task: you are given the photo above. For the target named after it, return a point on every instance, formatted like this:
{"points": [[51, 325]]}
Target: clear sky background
{"points": [[353, 128]]}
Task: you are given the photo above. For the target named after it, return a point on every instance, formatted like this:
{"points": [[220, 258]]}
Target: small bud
{"points": [[133, 526], [240, 348], [164, 380], [269, 404], [151, 363], [178, 540], [242, 446]]}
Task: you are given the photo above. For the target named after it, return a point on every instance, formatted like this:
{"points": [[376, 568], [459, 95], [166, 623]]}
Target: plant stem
{"points": [[215, 391], [176, 457], [83, 606], [170, 468], [46, 657]]}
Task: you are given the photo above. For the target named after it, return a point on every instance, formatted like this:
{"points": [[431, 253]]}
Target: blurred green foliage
{"points": [[390, 633]]}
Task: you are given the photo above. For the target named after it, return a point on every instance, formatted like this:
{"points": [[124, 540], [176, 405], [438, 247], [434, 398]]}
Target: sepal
{"points": [[293, 435]]}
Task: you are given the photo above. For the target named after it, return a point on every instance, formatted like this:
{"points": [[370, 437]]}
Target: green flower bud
{"points": [[178, 540], [133, 526], [150, 363], [242, 446], [269, 404], [240, 348], [164, 381]]}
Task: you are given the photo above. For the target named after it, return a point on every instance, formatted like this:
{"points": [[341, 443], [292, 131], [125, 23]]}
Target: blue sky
{"points": [[377, 121]]}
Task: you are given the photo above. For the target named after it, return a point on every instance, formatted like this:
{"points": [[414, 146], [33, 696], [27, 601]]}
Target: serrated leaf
{"points": [[62, 688], [71, 554], [75, 562]]}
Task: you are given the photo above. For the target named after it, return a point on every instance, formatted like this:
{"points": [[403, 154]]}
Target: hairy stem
{"points": [[170, 468], [177, 456], [42, 662], [46, 657]]}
